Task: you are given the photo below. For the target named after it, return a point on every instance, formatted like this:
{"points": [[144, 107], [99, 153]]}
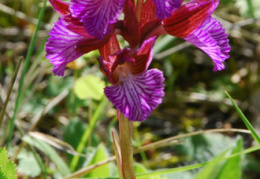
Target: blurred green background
{"points": [[64, 108]]}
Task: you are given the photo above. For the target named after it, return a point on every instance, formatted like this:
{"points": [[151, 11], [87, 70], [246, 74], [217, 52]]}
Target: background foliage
{"points": [[64, 124]]}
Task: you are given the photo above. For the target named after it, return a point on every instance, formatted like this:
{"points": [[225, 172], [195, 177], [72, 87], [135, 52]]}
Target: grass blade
{"points": [[87, 133], [10, 90], [50, 152], [190, 167], [25, 69], [251, 10], [245, 120]]}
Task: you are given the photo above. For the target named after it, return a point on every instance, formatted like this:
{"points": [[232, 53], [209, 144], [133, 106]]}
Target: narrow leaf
{"points": [[50, 152], [10, 90], [190, 167], [96, 116], [232, 167], [245, 120]]}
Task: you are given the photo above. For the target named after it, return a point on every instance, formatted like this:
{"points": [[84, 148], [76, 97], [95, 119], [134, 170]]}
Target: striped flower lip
{"points": [[137, 95], [136, 91]]}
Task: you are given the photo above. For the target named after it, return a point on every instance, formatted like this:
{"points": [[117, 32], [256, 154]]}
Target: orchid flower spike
{"points": [[87, 25]]}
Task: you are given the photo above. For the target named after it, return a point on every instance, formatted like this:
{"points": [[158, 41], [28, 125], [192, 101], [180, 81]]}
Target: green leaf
{"points": [[101, 154], [179, 175], [245, 120], [73, 132], [50, 152], [140, 168], [72, 135], [194, 166], [98, 114], [202, 148], [3, 156], [28, 164], [89, 87], [7, 167], [211, 170], [232, 167]]}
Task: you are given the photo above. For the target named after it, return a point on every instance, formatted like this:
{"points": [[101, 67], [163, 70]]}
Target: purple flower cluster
{"points": [[87, 25]]}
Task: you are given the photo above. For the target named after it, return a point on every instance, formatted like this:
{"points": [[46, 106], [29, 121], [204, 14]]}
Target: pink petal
{"points": [[138, 95], [212, 39], [96, 15], [64, 46]]}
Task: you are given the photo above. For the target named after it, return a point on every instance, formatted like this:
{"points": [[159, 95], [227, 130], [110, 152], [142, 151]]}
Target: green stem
{"points": [[125, 140]]}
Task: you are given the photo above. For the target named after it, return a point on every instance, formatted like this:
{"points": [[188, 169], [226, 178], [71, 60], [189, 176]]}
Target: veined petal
{"points": [[64, 46], [143, 56], [96, 15], [164, 8], [138, 95], [185, 20], [212, 39], [61, 7]]}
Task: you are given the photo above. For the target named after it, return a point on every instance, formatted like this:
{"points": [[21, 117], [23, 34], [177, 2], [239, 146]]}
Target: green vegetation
{"points": [[62, 127]]}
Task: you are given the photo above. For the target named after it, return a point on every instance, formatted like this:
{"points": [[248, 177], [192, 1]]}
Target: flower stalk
{"points": [[126, 151]]}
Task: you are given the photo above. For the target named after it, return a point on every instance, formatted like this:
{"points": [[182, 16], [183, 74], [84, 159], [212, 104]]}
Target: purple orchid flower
{"points": [[136, 91], [86, 25]]}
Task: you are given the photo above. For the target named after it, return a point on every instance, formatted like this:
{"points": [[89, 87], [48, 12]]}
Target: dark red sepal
{"points": [[106, 61], [61, 7], [131, 28], [148, 12], [189, 17]]}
